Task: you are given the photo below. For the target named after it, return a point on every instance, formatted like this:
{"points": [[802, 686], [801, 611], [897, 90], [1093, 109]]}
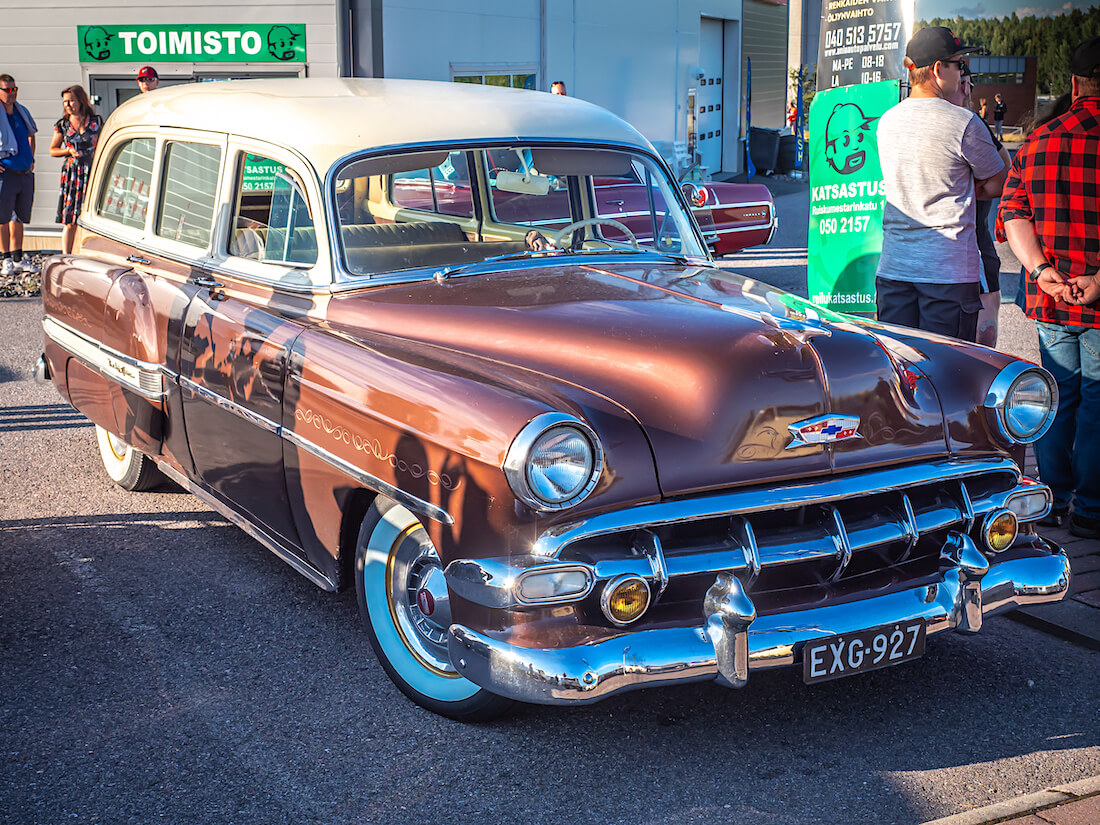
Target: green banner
{"points": [[847, 194], [261, 43]]}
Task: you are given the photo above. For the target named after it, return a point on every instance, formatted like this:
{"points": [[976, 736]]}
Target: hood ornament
{"points": [[823, 429]]}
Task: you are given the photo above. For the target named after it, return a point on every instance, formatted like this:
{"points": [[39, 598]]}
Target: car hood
{"points": [[720, 371]]}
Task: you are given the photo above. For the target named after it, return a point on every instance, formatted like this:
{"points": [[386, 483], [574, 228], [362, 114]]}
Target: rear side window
{"points": [[125, 197], [272, 221], [189, 191]]}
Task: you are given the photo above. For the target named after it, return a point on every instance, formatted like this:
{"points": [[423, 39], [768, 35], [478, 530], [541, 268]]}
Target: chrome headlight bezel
{"points": [[517, 460], [998, 400]]}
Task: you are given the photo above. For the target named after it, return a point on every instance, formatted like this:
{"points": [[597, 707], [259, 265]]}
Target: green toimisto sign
{"points": [[847, 194], [261, 43]]}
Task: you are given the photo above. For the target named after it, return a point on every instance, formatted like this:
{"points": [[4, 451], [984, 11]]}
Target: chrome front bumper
{"points": [[732, 641]]}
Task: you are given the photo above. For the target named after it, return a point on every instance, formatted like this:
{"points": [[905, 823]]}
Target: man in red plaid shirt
{"points": [[1050, 215]]}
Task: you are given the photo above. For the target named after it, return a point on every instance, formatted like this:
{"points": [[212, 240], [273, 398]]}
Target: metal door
{"points": [[709, 95]]}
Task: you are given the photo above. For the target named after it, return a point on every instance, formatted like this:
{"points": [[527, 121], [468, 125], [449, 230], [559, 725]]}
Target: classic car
{"points": [[556, 451]]}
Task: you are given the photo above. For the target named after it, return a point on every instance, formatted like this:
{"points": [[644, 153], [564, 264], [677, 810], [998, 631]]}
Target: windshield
{"points": [[447, 208]]}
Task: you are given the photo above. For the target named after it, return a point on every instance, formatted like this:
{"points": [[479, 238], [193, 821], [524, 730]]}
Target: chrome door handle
{"points": [[137, 259], [207, 282]]}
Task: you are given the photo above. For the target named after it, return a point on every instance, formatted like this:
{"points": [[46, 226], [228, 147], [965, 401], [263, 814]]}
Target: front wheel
{"points": [[128, 468], [403, 600]]}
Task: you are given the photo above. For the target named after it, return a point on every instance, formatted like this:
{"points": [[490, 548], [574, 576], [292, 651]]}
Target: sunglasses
{"points": [[9, 89], [960, 63]]}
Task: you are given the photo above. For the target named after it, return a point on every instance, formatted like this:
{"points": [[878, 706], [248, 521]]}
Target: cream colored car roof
{"points": [[325, 119]]}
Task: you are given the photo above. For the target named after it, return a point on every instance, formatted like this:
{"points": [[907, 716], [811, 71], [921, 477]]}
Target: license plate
{"points": [[860, 651]]}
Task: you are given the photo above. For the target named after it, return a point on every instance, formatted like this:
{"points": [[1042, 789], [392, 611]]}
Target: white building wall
{"points": [[633, 57], [38, 47]]}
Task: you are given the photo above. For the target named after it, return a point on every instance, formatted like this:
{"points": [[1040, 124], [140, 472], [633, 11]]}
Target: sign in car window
{"points": [[259, 174], [260, 43]]}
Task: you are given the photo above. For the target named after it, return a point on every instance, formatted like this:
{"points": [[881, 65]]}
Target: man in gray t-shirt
{"points": [[935, 158]]}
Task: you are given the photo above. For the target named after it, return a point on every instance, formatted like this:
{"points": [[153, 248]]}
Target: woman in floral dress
{"points": [[75, 137]]}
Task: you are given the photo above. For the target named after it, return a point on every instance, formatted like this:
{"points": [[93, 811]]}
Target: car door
{"points": [[237, 330]]}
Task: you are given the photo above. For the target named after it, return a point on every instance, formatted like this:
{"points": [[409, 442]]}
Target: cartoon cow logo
{"points": [[97, 43], [845, 135], [280, 43]]}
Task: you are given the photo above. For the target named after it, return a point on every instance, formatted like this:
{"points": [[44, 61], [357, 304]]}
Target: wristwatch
{"points": [[1034, 274]]}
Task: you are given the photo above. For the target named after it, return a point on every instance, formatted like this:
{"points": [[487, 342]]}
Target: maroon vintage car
{"points": [[465, 350]]}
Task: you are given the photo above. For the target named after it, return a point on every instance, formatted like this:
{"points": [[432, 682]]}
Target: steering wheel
{"points": [[565, 230]]}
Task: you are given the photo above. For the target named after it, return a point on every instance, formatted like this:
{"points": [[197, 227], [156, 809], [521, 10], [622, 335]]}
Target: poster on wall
{"points": [[862, 41], [260, 43], [847, 195]]}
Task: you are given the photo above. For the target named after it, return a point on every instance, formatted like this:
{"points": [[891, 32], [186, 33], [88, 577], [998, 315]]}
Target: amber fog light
{"points": [[1000, 530], [625, 599]]}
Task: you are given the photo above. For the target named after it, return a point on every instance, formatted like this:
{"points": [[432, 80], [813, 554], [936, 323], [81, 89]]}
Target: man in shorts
{"points": [[937, 158], [17, 144]]}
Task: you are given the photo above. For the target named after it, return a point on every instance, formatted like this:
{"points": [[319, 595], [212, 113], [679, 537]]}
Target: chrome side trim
{"points": [[223, 403], [417, 505], [251, 528], [744, 502], [142, 377]]}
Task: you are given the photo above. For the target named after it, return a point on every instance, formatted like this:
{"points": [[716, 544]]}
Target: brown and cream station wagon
{"points": [[465, 350]]}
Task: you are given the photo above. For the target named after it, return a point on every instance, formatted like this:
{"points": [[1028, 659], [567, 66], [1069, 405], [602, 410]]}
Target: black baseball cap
{"points": [[1086, 58], [932, 44]]}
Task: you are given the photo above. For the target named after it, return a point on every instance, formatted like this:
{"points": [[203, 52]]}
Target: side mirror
{"points": [[697, 196]]}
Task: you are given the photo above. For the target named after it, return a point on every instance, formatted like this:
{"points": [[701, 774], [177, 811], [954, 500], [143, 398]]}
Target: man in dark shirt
{"points": [[1052, 189], [16, 177], [999, 109]]}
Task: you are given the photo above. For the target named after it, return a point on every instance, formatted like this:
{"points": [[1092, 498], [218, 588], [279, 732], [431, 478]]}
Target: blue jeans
{"points": [[1069, 453]]}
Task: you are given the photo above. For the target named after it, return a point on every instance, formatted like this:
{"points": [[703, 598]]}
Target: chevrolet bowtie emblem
{"points": [[823, 429]]}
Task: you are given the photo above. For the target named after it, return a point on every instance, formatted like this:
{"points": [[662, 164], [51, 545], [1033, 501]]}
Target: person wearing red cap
{"points": [[1048, 215], [937, 158], [148, 79]]}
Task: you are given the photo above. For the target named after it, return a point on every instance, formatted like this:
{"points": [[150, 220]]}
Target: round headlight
{"points": [[554, 462], [1024, 399], [1029, 402], [559, 465]]}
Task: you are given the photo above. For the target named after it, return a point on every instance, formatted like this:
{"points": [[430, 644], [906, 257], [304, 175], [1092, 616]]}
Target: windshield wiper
{"points": [[448, 271]]}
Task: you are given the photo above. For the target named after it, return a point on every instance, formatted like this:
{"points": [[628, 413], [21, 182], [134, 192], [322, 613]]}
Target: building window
{"points": [[498, 77], [990, 71]]}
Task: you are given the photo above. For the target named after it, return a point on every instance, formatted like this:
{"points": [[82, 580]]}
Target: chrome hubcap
{"points": [[418, 599]]}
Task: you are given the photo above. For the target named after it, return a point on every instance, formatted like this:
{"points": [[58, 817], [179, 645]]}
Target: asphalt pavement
{"points": [[157, 665]]}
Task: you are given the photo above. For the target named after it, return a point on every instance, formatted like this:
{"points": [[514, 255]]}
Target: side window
{"points": [[125, 196], [271, 220], [188, 192], [444, 189]]}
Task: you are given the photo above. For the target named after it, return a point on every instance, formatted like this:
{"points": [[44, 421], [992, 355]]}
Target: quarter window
{"points": [[189, 191], [125, 197], [272, 220]]}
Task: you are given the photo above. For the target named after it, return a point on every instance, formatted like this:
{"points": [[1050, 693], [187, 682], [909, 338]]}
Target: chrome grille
{"points": [[807, 553]]}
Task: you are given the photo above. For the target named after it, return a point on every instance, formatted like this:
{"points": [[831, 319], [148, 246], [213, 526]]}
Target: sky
{"points": [[969, 9]]}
